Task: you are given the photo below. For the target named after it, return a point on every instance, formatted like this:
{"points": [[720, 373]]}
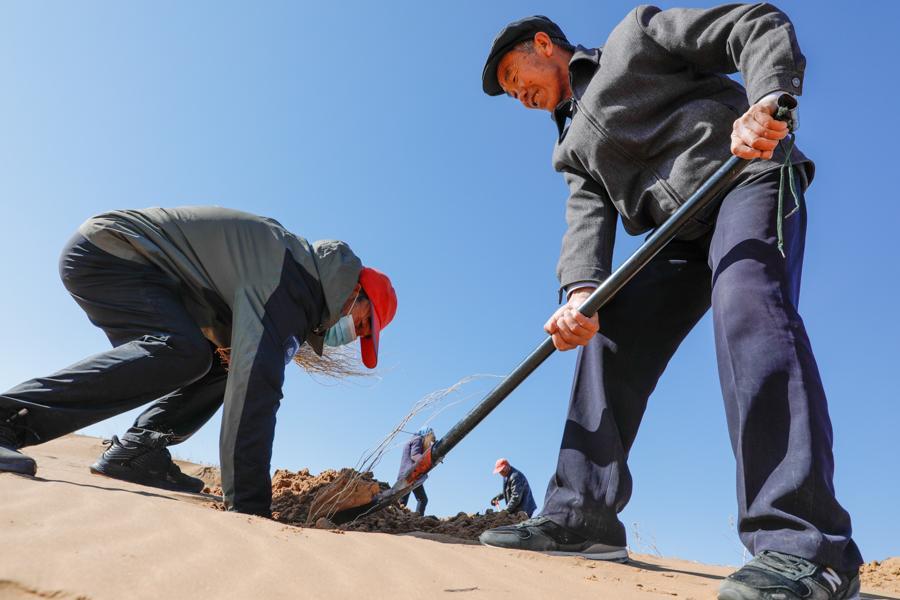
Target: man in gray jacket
{"points": [[641, 123], [169, 287]]}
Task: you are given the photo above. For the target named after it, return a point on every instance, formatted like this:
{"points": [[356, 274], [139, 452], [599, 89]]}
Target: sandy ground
{"points": [[71, 535]]}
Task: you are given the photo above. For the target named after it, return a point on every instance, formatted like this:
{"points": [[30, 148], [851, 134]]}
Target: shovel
{"points": [[708, 192]]}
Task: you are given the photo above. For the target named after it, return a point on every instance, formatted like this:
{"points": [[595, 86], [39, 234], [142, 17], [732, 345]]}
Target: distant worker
{"points": [[412, 452], [516, 491], [170, 287]]}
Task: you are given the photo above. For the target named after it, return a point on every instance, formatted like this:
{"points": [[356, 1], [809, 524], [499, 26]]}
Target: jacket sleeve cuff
{"points": [[584, 276], [579, 285], [790, 82]]}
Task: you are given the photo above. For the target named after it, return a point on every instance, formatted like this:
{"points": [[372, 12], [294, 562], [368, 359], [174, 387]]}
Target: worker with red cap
{"points": [[516, 491], [174, 289]]}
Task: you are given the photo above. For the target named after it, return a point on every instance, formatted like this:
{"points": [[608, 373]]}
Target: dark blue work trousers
{"points": [[158, 353], [775, 404], [421, 500]]}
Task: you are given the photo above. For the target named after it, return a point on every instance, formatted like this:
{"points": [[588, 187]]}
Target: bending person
{"points": [[169, 287]]}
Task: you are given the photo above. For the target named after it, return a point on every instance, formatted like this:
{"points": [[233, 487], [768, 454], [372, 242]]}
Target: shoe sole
{"points": [[617, 555], [737, 591], [729, 596], [114, 471]]}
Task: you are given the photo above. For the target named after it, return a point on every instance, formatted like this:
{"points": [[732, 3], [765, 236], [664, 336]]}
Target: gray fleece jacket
{"points": [[250, 285], [651, 119]]}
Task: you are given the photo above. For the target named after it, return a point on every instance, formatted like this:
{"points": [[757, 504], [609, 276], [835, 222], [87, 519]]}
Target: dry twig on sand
{"points": [[346, 491]]}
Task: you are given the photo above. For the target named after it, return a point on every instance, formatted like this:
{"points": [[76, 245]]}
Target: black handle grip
{"points": [[787, 111]]}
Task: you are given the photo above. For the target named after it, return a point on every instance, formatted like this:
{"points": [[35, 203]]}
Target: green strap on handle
{"points": [[788, 114]]}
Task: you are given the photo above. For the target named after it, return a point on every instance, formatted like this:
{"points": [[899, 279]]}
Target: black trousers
{"points": [[421, 500], [158, 354], [775, 404]]}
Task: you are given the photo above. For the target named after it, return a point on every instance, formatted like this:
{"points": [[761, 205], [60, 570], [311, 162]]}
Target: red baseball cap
{"points": [[501, 464], [383, 299]]}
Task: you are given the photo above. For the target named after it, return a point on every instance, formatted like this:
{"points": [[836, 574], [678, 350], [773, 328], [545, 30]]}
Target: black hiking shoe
{"points": [[144, 459], [778, 576], [11, 460], [543, 535]]}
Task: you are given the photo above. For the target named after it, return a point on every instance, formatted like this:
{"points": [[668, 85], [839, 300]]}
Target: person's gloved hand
{"points": [[756, 133], [495, 502], [568, 327]]}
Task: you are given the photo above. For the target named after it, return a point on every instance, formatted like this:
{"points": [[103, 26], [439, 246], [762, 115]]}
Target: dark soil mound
{"points": [[293, 495]]}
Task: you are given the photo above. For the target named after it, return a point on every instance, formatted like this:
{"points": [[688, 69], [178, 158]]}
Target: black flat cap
{"points": [[509, 36]]}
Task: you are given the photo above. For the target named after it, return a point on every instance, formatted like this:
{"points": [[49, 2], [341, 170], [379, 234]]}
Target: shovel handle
{"points": [[708, 192], [703, 197]]}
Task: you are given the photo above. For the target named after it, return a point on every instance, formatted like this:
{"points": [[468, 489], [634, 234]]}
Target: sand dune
{"points": [[70, 535]]}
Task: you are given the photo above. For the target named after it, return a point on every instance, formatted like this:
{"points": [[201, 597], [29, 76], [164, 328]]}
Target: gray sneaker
{"points": [[543, 535], [778, 576], [11, 460]]}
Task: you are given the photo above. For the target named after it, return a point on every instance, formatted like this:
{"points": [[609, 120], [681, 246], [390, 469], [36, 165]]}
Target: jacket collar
{"points": [[582, 66]]}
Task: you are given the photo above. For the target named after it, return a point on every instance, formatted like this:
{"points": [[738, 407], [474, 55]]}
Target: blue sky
{"points": [[366, 122]]}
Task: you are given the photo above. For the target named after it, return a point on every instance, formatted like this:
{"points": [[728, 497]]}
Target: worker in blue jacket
{"points": [[516, 491]]}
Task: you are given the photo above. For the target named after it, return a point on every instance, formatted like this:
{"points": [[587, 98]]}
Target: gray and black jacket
{"points": [[253, 287], [651, 119]]}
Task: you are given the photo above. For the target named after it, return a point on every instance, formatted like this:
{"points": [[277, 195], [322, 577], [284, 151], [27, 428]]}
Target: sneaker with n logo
{"points": [[541, 534], [777, 576]]}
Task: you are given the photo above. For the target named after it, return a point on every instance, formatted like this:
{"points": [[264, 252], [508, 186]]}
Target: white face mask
{"points": [[341, 333], [344, 331]]}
